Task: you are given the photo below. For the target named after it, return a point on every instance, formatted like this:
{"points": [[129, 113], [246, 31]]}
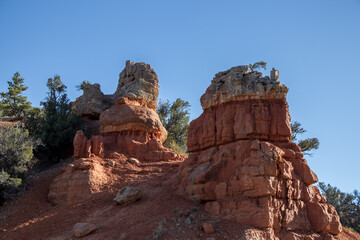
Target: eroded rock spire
{"points": [[243, 165]]}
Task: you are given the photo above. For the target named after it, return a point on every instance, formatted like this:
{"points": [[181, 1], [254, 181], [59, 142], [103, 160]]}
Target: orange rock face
{"points": [[131, 114], [129, 128], [77, 181], [244, 167], [231, 121], [136, 80]]}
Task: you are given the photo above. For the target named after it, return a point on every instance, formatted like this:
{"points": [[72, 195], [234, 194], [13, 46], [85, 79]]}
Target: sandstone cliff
{"points": [[243, 165]]}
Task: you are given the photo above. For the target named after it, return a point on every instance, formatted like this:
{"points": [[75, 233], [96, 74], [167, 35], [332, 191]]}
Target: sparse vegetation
{"points": [[257, 66], [306, 145], [142, 81], [82, 85]]}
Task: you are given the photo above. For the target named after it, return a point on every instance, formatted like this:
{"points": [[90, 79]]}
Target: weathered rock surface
{"points": [[238, 83], [83, 229], [261, 119], [243, 165], [129, 128], [126, 126], [132, 114], [125, 122], [137, 80], [128, 194], [77, 181], [93, 102]]}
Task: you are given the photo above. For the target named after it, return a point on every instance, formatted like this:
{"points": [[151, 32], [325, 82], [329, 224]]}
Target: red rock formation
{"points": [[125, 122], [247, 119], [137, 80], [243, 165], [132, 114], [78, 180], [130, 128]]}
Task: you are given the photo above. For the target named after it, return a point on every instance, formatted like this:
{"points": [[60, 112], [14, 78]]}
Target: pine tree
{"points": [[175, 118], [257, 66], [13, 103], [58, 125], [347, 205], [307, 144]]}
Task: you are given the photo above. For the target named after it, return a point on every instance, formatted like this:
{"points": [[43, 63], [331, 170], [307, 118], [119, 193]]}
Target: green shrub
{"points": [[16, 156], [175, 118], [169, 143], [57, 123]]}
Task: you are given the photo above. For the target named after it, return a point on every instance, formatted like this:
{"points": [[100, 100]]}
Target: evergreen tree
{"points": [[16, 156], [257, 65], [82, 85], [347, 205], [58, 125], [306, 145], [13, 103], [175, 118], [33, 121]]}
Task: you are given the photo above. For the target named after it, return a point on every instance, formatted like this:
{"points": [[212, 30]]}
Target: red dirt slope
{"points": [[159, 212]]}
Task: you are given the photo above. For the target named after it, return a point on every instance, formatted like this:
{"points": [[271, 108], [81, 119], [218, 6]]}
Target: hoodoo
{"points": [[118, 127], [130, 124], [244, 166], [137, 81]]}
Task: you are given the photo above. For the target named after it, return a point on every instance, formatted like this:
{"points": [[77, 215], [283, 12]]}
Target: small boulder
{"points": [[208, 228], [83, 229], [111, 163], [128, 194], [133, 161]]}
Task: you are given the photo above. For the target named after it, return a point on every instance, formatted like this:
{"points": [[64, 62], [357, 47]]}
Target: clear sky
{"points": [[314, 44]]}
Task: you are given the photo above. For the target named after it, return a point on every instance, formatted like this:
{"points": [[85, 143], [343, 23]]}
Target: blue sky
{"points": [[314, 44]]}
